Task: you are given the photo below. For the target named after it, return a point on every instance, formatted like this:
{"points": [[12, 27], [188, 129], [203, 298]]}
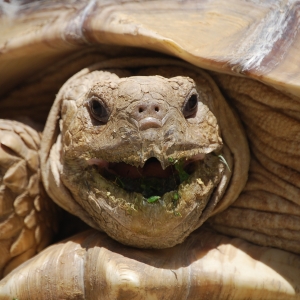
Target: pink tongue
{"points": [[151, 169]]}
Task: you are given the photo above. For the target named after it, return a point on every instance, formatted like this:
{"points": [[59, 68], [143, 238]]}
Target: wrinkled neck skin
{"points": [[139, 153]]}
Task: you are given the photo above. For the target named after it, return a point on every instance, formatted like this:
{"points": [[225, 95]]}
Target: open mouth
{"points": [[149, 203], [151, 180]]}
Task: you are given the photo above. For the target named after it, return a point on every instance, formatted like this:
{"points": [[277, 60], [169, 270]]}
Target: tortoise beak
{"points": [[149, 122]]}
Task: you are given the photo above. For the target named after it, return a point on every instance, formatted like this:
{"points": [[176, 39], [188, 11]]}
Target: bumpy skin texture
{"points": [[28, 217], [130, 135], [145, 118], [145, 121]]}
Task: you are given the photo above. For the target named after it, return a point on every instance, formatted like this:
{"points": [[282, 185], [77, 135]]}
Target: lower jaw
{"points": [[129, 218]]}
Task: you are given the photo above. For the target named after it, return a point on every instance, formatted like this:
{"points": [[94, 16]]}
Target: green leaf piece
{"points": [[175, 196], [183, 175], [153, 199], [171, 160], [177, 214]]}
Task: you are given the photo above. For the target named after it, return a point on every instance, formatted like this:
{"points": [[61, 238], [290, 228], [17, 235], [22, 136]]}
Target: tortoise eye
{"points": [[190, 106], [98, 110]]}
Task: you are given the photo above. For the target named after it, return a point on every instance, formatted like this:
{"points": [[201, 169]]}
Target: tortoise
{"points": [[186, 178]]}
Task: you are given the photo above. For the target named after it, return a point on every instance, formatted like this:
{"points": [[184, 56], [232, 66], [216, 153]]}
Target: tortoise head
{"points": [[139, 154]]}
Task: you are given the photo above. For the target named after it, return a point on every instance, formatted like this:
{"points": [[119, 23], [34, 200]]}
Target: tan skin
{"points": [[115, 126]]}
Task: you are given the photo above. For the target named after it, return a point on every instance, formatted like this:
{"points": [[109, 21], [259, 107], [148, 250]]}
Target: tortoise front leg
{"points": [[27, 215], [207, 265]]}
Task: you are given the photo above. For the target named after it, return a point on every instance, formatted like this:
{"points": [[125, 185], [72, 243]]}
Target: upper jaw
{"points": [[138, 153], [142, 158], [144, 170]]}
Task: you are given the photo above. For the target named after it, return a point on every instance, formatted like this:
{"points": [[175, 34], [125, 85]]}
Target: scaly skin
{"points": [[144, 117], [132, 136]]}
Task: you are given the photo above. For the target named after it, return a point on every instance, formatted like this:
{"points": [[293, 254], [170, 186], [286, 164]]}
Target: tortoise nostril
{"points": [[156, 108], [141, 110]]}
